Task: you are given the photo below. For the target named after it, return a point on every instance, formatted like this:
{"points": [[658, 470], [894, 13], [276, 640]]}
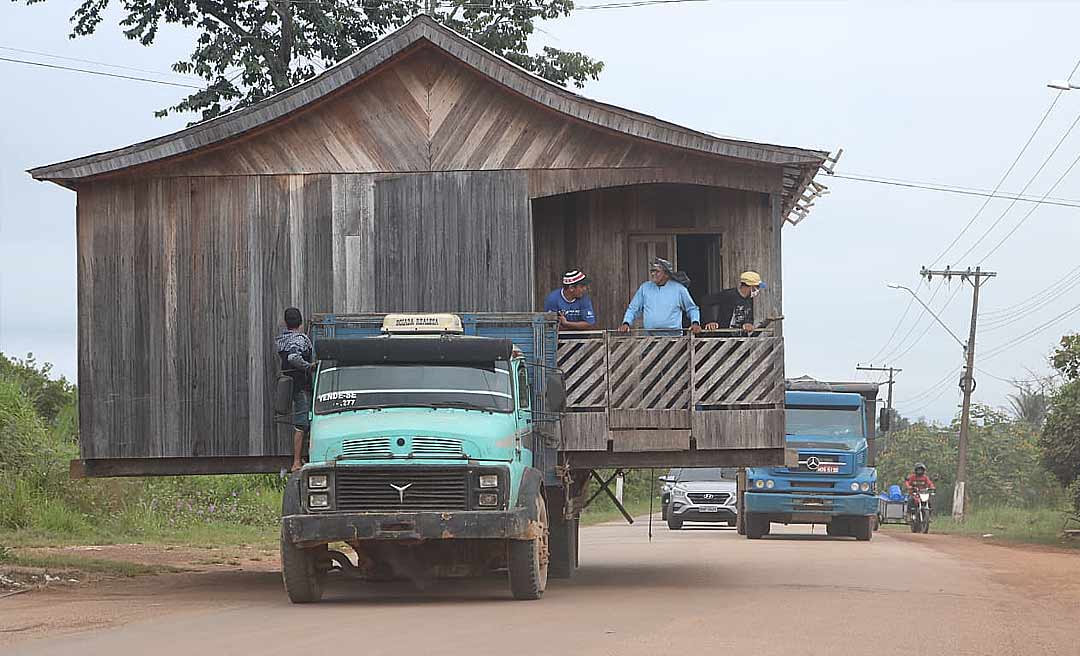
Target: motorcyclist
{"points": [[917, 481]]}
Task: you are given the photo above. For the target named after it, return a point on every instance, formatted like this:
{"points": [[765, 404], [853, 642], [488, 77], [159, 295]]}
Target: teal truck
{"points": [[430, 455], [828, 476]]}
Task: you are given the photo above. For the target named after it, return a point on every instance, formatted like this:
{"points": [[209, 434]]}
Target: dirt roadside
{"points": [[234, 578]]}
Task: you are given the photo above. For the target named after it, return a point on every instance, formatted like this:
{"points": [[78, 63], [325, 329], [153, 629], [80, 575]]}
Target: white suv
{"points": [[699, 494]]}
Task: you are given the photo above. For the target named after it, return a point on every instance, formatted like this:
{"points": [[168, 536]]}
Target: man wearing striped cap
{"points": [[572, 302]]}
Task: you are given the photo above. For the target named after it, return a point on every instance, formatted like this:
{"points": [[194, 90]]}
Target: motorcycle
{"points": [[919, 511]]}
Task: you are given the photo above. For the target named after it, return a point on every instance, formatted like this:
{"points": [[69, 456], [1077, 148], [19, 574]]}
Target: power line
{"points": [[1032, 211], [986, 233], [951, 189], [998, 350], [1008, 171], [929, 325], [91, 61], [891, 355], [1052, 290], [102, 73]]}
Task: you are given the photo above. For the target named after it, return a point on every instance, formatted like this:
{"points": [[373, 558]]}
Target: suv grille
{"points": [[427, 489], [718, 498]]}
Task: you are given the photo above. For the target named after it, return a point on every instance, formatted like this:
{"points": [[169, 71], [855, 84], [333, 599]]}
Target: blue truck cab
{"points": [[826, 478], [426, 456]]}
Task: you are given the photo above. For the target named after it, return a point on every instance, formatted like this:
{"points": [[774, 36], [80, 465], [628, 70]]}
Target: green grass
{"points": [[1038, 526], [211, 534], [599, 514], [63, 562]]}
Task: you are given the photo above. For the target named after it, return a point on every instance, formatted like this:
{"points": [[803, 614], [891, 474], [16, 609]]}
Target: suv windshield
{"points": [[427, 385], [703, 474], [835, 421]]}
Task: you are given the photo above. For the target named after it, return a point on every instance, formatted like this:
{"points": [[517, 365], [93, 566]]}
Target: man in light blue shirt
{"points": [[663, 300]]}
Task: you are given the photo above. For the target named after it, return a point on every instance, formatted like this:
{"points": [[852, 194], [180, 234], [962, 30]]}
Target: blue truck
{"points": [[828, 476]]}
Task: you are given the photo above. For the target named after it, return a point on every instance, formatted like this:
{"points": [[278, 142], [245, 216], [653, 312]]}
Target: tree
{"points": [[1030, 401], [1060, 441], [247, 50], [49, 395]]}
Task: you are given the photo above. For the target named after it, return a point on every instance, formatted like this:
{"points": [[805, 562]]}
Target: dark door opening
{"points": [[701, 257]]}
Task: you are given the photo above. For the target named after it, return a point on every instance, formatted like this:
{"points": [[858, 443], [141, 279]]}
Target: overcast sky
{"points": [[925, 92]]}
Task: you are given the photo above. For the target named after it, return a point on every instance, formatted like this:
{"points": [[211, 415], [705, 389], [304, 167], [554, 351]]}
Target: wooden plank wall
{"points": [[589, 230], [458, 242]]}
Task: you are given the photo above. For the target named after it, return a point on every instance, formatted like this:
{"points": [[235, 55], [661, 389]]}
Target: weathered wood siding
{"points": [[183, 281], [590, 230], [459, 242]]}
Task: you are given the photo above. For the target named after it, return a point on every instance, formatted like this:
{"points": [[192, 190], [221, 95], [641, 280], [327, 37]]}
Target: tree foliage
{"points": [[50, 396], [1060, 442], [1004, 461], [247, 50]]}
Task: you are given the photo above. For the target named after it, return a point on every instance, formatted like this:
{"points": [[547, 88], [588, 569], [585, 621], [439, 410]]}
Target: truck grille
{"points": [[416, 490], [718, 498], [437, 446], [368, 447]]}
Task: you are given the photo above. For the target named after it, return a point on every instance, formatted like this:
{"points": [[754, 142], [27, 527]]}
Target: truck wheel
{"points": [[528, 560], [300, 571], [563, 548], [755, 527], [663, 512], [862, 528]]}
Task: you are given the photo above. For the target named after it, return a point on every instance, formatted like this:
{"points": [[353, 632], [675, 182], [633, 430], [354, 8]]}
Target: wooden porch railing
{"points": [[655, 393]]}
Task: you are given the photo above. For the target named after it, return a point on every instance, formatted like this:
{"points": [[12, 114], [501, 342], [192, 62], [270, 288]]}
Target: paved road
{"points": [[696, 591]]}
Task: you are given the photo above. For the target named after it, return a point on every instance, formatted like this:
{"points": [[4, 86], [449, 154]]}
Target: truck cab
{"points": [[826, 478], [421, 460]]}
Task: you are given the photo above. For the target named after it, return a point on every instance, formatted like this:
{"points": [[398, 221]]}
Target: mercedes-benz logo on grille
{"points": [[812, 463], [401, 490], [708, 496]]}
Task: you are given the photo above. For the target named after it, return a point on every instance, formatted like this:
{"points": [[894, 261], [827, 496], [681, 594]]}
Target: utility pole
{"points": [[967, 382], [892, 371]]}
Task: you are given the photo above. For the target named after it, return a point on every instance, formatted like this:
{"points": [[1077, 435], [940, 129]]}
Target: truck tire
{"points": [[563, 548], [755, 527], [528, 559], [862, 528], [300, 571], [674, 523]]}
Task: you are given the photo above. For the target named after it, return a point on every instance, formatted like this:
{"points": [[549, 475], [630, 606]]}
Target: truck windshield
{"points": [[833, 421], [704, 474], [427, 385]]}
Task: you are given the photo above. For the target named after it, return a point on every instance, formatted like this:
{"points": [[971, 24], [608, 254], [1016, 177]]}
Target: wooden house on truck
{"points": [[424, 173]]}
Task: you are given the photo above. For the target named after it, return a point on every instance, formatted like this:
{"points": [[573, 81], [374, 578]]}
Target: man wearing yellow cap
{"points": [[737, 304]]}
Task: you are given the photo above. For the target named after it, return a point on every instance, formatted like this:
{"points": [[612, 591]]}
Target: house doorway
{"points": [[699, 255]]}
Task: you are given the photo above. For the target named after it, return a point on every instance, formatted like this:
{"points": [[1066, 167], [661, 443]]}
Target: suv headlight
{"points": [[678, 492], [317, 482]]}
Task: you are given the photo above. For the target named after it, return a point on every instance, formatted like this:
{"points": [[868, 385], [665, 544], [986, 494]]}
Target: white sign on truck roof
{"points": [[422, 323]]}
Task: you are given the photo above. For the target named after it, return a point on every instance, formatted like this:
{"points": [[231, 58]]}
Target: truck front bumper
{"points": [[809, 508], [318, 528]]}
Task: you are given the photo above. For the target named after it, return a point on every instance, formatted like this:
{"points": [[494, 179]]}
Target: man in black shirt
{"points": [[737, 304]]}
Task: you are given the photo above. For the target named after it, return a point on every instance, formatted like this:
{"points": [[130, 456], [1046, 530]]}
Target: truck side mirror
{"points": [[555, 393], [283, 395], [884, 420]]}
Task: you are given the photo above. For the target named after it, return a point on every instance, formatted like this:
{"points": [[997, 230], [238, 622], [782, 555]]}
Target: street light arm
{"points": [[1062, 85], [927, 307]]}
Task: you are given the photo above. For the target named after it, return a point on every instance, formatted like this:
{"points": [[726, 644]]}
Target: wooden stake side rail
{"points": [[656, 393]]}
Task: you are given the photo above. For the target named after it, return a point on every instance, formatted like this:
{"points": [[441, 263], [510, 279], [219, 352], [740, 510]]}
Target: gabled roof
{"points": [[800, 165]]}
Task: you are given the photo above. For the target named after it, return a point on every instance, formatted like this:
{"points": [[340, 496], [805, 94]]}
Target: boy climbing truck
{"points": [[427, 460]]}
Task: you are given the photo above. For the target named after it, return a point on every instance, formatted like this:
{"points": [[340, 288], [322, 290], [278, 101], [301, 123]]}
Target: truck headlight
{"points": [[854, 487], [489, 480], [865, 487], [759, 484], [489, 499], [770, 484], [318, 500], [317, 482]]}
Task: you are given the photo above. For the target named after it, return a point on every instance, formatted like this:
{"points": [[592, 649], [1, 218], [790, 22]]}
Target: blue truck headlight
{"points": [[865, 487], [759, 484], [318, 500], [855, 486], [770, 484], [489, 481], [317, 482]]}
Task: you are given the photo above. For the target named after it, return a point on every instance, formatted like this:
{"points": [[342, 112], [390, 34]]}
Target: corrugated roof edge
{"points": [[233, 124]]}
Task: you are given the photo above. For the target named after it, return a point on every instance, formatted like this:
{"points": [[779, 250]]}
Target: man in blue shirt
{"points": [[663, 299], [572, 302]]}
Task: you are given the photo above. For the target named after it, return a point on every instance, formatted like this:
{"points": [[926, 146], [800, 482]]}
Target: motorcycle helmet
{"points": [[920, 468]]}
